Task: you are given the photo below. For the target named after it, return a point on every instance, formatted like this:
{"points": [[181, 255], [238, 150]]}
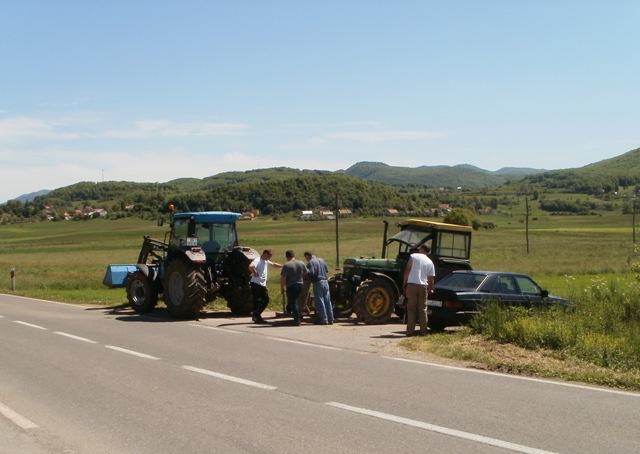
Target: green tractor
{"points": [[372, 287], [198, 261]]}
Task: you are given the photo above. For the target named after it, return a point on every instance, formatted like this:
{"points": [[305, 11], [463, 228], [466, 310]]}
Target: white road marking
{"points": [[16, 418], [215, 328], [242, 381], [130, 352], [308, 344], [442, 430], [83, 339], [31, 325], [517, 377], [226, 330], [54, 302]]}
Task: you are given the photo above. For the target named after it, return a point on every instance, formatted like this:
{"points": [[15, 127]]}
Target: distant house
{"points": [[344, 212], [48, 212], [247, 216], [392, 212], [90, 213], [444, 207], [306, 215]]}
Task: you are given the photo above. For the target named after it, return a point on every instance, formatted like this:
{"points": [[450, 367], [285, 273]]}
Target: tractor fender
{"points": [[196, 256], [384, 277], [248, 252], [150, 272]]}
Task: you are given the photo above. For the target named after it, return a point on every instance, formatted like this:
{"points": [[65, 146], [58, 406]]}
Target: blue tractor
{"points": [[199, 260]]}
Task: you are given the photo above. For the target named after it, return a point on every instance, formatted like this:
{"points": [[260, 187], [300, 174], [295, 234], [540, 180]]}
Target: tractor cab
{"points": [[450, 244], [213, 232]]}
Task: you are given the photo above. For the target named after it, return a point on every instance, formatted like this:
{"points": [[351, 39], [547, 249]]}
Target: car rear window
{"points": [[463, 281]]}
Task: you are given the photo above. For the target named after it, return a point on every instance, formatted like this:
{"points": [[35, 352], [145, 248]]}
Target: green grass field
{"points": [[66, 261], [585, 258]]}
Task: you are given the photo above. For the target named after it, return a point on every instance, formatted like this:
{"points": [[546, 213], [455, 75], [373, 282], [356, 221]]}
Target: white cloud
{"points": [[28, 127], [381, 136], [144, 129], [74, 149], [310, 144], [94, 128]]}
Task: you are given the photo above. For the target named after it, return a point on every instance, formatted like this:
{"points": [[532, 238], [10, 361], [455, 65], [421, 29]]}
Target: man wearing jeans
{"points": [[419, 276], [292, 283], [317, 270]]}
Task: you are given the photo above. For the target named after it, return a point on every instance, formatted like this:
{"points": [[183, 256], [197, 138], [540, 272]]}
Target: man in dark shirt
{"points": [[291, 284], [318, 271]]}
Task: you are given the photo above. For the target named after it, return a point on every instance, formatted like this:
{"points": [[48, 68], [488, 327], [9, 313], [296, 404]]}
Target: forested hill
{"points": [[464, 175], [279, 190], [364, 188], [226, 178], [602, 176], [272, 191]]}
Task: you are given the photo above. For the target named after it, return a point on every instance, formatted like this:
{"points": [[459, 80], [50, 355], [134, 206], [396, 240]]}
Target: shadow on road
{"points": [[123, 312]]}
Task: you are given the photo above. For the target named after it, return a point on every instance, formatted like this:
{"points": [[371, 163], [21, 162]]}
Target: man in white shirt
{"points": [[419, 276], [258, 269]]}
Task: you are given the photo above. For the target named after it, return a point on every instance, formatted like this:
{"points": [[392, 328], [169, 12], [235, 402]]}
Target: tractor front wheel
{"points": [[374, 302], [342, 305], [140, 293], [184, 289]]}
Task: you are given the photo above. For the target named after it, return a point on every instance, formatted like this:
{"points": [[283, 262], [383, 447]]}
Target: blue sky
{"points": [[150, 91]]}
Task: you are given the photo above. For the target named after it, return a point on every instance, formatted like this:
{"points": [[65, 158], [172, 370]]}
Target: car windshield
{"points": [[410, 237], [462, 281]]}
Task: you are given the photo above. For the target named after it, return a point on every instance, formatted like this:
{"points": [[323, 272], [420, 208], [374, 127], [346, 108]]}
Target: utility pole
{"points": [[337, 235], [526, 222], [633, 221]]}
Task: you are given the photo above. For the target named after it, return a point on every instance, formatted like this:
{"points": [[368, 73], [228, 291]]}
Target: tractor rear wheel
{"points": [[184, 289], [374, 302], [140, 293], [240, 300]]}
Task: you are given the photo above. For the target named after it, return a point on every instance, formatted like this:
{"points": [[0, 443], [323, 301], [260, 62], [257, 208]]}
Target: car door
{"points": [[507, 291], [531, 292]]}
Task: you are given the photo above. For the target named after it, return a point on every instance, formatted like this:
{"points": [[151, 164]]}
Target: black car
{"points": [[458, 297]]}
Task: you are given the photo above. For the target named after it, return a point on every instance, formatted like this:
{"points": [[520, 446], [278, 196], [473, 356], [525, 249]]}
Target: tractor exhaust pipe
{"points": [[384, 240]]}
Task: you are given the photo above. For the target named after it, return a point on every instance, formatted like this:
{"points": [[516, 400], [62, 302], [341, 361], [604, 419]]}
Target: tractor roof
{"points": [[219, 217], [433, 225]]}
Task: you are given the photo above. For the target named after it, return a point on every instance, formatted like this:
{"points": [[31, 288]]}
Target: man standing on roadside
{"points": [[318, 271], [258, 269], [419, 276], [291, 284]]}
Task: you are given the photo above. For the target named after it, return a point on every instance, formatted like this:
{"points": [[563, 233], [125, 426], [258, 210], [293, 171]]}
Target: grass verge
{"points": [[479, 352]]}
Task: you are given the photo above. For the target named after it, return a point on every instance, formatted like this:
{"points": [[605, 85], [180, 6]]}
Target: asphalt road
{"points": [[87, 380]]}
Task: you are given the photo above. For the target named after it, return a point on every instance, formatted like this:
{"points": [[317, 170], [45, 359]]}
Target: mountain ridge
{"points": [[439, 174], [604, 175]]}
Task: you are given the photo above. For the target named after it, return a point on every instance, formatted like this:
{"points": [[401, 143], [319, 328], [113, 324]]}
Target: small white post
{"points": [[13, 278]]}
